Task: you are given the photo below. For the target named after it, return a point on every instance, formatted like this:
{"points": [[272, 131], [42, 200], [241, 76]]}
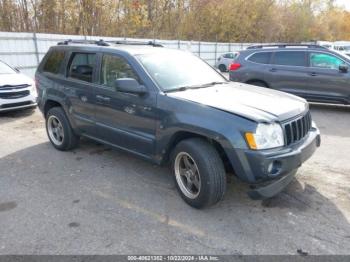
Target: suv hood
{"points": [[252, 102], [14, 79]]}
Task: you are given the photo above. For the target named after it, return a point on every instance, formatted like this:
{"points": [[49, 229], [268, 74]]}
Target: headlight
{"points": [[266, 136], [33, 89]]}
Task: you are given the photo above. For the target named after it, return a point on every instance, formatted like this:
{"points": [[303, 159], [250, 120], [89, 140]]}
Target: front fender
{"points": [[225, 128]]}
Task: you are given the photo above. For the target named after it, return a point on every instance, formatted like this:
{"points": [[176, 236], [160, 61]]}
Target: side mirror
{"points": [[343, 68], [130, 85]]}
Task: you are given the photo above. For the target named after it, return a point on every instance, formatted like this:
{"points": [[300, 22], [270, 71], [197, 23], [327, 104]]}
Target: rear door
{"points": [[78, 87], [287, 71], [123, 119], [327, 81]]}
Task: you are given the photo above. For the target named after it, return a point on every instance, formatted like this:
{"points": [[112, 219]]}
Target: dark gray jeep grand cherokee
{"points": [[166, 106]]}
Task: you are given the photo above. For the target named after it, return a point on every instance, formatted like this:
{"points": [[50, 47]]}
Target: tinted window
{"points": [[113, 68], [230, 55], [290, 58], [53, 62], [324, 61], [82, 66], [261, 58]]}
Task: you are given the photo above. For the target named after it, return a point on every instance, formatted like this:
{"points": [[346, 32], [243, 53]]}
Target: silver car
{"points": [[17, 91], [224, 61]]}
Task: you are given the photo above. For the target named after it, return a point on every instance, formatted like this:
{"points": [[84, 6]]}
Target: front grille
{"points": [[16, 104], [297, 129], [14, 95], [13, 87]]}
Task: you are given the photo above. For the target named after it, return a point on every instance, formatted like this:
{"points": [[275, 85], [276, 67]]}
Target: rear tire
{"points": [[202, 181], [222, 68], [59, 130]]}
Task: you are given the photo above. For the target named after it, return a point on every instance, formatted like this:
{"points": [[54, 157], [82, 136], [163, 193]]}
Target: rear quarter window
{"points": [[54, 61], [260, 58]]}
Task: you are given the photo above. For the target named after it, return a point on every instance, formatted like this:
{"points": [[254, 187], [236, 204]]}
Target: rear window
{"points": [[261, 58], [53, 62], [230, 55], [290, 58]]}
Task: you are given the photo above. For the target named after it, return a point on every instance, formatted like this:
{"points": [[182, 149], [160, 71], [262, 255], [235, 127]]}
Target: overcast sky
{"points": [[345, 3]]}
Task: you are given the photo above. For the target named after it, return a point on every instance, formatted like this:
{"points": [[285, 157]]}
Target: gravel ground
{"points": [[95, 200]]}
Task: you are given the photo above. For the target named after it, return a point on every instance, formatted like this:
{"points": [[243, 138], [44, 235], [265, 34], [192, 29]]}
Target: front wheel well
{"points": [[50, 104], [183, 135]]}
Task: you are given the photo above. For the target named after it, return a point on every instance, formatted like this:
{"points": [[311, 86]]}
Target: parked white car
{"points": [[342, 47], [224, 61], [17, 91]]}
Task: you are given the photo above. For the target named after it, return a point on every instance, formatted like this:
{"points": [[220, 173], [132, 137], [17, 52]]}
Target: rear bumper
{"points": [[270, 171]]}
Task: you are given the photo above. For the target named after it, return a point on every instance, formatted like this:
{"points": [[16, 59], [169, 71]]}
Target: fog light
{"points": [[269, 168], [274, 168]]}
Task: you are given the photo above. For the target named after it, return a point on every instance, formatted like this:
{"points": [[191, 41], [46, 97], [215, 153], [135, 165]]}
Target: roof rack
{"points": [[91, 42], [126, 42], [285, 45]]}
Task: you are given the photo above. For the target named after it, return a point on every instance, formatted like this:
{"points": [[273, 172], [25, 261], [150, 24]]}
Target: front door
{"points": [[327, 82], [123, 119]]}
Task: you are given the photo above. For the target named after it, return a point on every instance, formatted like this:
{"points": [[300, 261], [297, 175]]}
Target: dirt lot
{"points": [[99, 201]]}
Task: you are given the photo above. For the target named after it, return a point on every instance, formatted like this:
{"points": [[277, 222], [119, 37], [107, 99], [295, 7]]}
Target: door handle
{"points": [[103, 98], [273, 70], [313, 74]]}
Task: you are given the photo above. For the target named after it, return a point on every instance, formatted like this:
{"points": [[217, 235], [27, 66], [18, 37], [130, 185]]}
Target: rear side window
{"points": [[53, 62], [82, 66], [261, 58], [290, 58]]}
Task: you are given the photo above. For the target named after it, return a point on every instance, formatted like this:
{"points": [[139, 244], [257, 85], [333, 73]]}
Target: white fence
{"points": [[25, 50]]}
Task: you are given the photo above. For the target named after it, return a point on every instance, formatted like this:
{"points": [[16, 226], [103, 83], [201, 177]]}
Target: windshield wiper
{"points": [[184, 88]]}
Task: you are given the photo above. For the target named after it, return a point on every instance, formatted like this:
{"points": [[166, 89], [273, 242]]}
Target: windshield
{"points": [[5, 69], [176, 69]]}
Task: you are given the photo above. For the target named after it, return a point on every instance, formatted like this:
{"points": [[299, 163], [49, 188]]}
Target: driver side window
{"points": [[113, 68], [322, 60]]}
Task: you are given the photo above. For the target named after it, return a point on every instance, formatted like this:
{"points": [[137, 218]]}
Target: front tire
{"points": [[59, 130], [200, 175]]}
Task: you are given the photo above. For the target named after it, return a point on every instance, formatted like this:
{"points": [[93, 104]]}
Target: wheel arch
{"points": [[184, 135], [50, 103]]}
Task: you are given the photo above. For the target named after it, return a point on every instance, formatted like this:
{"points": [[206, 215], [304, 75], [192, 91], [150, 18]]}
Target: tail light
{"points": [[234, 66]]}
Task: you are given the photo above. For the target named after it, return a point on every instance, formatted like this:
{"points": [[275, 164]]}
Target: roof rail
{"points": [[285, 45], [91, 42], [126, 42]]}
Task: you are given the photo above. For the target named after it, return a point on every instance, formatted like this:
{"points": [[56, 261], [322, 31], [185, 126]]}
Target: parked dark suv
{"points": [[310, 71], [167, 105]]}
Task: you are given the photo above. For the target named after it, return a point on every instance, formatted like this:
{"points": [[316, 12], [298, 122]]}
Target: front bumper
{"points": [[18, 103], [18, 106], [270, 171]]}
